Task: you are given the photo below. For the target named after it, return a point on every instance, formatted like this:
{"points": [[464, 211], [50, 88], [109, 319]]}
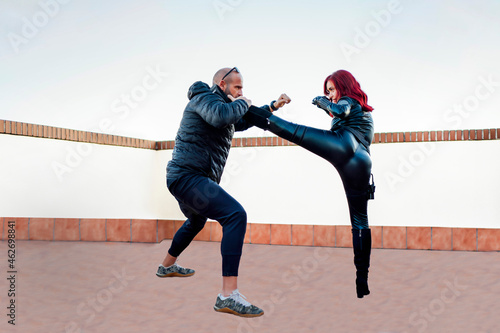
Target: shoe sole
{"points": [[174, 275], [246, 315]]}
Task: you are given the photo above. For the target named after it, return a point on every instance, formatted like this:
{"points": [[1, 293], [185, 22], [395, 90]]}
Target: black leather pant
{"points": [[340, 148]]}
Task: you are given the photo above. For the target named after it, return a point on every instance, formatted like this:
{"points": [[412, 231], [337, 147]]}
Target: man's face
{"points": [[233, 85]]}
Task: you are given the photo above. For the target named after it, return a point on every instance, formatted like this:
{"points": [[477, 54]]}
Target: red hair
{"points": [[347, 86]]}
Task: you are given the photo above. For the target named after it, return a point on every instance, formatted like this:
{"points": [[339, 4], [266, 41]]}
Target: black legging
{"points": [[340, 148]]}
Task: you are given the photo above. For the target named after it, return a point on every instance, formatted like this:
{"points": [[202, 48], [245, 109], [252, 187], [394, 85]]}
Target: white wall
{"points": [[94, 180], [453, 184]]}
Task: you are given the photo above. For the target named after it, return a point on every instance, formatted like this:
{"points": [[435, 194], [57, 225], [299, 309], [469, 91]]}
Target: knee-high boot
{"points": [[282, 128], [362, 244]]}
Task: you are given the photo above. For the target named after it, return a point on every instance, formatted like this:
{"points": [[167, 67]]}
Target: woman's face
{"points": [[332, 92]]}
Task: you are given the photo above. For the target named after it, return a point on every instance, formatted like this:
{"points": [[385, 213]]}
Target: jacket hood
{"points": [[197, 88]]}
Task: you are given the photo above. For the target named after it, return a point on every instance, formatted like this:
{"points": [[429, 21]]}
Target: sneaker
{"points": [[237, 304], [174, 270]]}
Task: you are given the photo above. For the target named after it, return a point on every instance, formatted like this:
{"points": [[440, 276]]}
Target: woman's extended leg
{"points": [[332, 146]]}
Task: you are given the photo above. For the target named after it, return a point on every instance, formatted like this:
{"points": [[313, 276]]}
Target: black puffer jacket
{"points": [[204, 137]]}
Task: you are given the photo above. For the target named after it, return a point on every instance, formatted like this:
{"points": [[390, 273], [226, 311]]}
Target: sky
{"points": [[124, 67]]}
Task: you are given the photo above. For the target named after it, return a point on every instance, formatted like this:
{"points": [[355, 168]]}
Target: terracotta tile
{"points": [[466, 134], [453, 136], [19, 128], [118, 230], [248, 234], [2, 126], [25, 129], [376, 237], [144, 231], [165, 229], [261, 233], [67, 230], [343, 235], [446, 135], [302, 235], [41, 229], [441, 238], [2, 221], [464, 239], [281, 234], [8, 127], [395, 137], [493, 134], [383, 137], [488, 239], [426, 136], [485, 134], [324, 235], [204, 234], [392, 137], [93, 230], [21, 227], [419, 238], [498, 133], [394, 237], [215, 231], [433, 136], [458, 135]]}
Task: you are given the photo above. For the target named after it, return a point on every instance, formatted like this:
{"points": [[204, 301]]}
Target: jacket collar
{"points": [[217, 90]]}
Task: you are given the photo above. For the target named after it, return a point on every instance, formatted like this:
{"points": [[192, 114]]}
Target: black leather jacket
{"points": [[204, 137], [347, 113]]}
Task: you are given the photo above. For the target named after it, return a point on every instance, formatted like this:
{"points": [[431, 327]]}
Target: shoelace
{"points": [[239, 298]]}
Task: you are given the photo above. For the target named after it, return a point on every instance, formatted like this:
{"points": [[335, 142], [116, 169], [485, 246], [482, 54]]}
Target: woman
{"points": [[346, 146]]}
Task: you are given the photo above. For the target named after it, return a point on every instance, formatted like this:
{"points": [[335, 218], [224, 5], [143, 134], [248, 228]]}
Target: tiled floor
{"points": [[112, 287]]}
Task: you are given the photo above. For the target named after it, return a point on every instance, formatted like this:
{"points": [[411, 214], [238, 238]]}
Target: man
{"points": [[201, 148]]}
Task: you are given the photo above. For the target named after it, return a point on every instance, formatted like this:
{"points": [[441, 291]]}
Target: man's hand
{"points": [[284, 99], [249, 102]]}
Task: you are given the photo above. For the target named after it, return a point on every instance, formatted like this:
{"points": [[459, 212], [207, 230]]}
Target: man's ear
{"points": [[222, 85]]}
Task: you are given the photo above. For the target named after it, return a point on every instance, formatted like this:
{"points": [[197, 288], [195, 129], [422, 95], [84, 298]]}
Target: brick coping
{"points": [[157, 230], [58, 133]]}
